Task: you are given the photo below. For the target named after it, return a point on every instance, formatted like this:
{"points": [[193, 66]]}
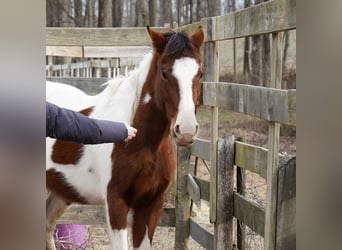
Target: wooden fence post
{"points": [[182, 206], [223, 229], [50, 63], [273, 149], [286, 206], [241, 189], [211, 55]]}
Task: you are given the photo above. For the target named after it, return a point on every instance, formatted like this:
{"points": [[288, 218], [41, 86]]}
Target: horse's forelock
{"points": [[177, 42]]}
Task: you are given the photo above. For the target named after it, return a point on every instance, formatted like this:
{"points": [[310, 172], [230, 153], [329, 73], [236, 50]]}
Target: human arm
{"points": [[66, 124]]}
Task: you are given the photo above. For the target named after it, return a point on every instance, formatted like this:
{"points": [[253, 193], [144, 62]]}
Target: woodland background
{"points": [[247, 60]]}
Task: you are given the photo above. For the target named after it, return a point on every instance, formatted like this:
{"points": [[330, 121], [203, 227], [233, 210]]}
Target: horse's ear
{"points": [[198, 37], [158, 39]]}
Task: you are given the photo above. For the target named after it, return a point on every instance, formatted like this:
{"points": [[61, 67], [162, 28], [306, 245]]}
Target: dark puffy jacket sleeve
{"points": [[66, 124]]}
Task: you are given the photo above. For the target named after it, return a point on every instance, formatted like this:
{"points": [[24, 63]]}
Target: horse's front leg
{"points": [[117, 221], [145, 223]]}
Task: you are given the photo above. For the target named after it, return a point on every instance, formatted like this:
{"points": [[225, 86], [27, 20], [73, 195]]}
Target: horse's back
{"points": [[67, 96]]}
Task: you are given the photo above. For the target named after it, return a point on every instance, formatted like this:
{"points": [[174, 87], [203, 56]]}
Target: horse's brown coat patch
{"points": [[56, 183], [68, 152]]}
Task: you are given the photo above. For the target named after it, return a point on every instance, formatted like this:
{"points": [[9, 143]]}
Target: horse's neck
{"points": [[119, 100], [152, 124]]}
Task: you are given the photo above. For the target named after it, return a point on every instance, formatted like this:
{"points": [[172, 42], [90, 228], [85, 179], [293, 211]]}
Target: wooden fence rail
{"points": [[266, 103]]}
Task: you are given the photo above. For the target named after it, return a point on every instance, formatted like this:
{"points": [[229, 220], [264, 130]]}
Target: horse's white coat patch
{"points": [[119, 239], [145, 244], [146, 98], [130, 217], [184, 69], [67, 96], [118, 102]]}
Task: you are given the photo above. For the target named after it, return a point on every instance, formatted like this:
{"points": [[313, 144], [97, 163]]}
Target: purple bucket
{"points": [[71, 236]]}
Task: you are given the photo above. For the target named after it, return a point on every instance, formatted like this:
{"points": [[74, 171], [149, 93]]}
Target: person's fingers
{"points": [[131, 132]]}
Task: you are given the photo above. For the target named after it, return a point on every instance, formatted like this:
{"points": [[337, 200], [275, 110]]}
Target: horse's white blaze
{"points": [[119, 239], [145, 244], [146, 98], [184, 69]]}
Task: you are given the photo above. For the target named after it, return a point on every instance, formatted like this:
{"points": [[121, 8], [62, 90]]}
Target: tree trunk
{"points": [[246, 66], [180, 12], [78, 13], [231, 8], [256, 61], [213, 8], [64, 14], [191, 10], [256, 78], [266, 60], [201, 10], [90, 20], [104, 14], [117, 13], [152, 4], [166, 13], [286, 46], [52, 13], [141, 10]]}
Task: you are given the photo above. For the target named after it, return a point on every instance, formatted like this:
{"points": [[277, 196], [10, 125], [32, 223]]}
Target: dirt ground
{"points": [[253, 131]]}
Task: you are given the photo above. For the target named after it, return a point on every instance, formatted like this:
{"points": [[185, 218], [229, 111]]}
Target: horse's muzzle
{"points": [[184, 139]]}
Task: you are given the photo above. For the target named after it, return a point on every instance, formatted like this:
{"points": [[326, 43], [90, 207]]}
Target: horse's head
{"points": [[177, 88]]}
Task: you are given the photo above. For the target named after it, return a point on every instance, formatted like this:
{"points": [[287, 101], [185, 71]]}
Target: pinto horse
{"points": [[159, 99]]}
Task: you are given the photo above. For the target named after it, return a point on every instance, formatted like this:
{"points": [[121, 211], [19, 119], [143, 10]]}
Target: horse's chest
{"points": [[145, 188]]}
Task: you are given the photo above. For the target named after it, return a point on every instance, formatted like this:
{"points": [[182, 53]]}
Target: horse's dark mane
{"points": [[177, 42]]}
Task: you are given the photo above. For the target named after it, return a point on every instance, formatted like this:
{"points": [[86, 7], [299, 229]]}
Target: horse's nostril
{"points": [[177, 130], [196, 129]]}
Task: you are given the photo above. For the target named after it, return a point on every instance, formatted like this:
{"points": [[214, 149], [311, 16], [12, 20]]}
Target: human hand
{"points": [[131, 133]]}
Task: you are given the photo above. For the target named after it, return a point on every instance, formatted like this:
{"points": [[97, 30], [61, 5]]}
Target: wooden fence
{"points": [[276, 221], [118, 61]]}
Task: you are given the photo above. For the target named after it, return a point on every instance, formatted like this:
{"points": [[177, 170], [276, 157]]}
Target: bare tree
{"points": [[266, 59], [256, 56], [286, 46], [104, 14], [191, 11], [90, 20], [152, 6], [246, 66], [141, 11], [231, 8], [165, 12], [260, 58], [52, 13], [65, 17], [180, 12], [117, 13], [201, 10], [79, 21], [213, 7]]}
